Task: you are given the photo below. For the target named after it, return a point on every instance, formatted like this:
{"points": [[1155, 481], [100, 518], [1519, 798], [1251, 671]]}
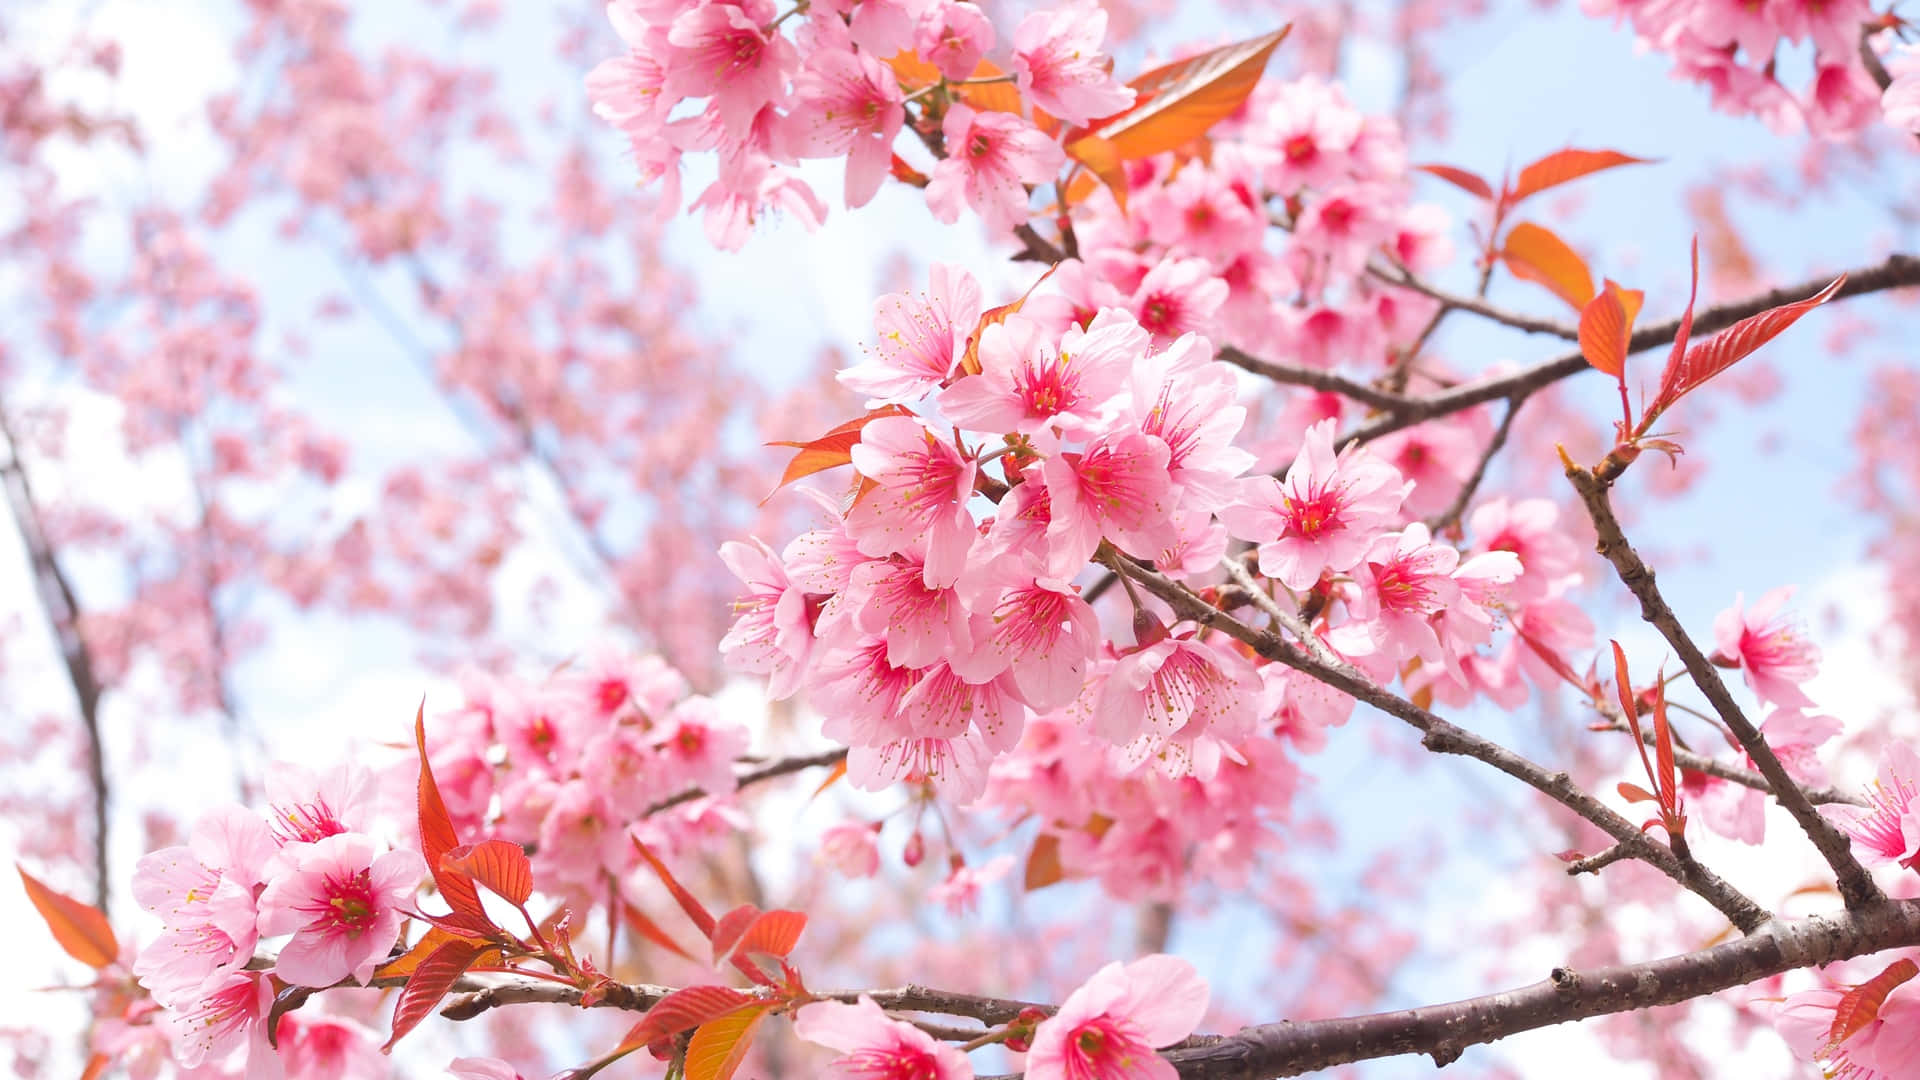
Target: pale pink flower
{"points": [[953, 35], [1109, 1028], [960, 893], [1771, 649], [1119, 489], [1178, 296], [315, 1047], [956, 767], [720, 52], [1057, 58], [1165, 696], [343, 902], [203, 894], [991, 156], [1886, 1048], [698, 747], [1027, 383], [1323, 516], [921, 623], [852, 849], [917, 339], [771, 633], [1531, 530], [1888, 827], [481, 1069], [1900, 103], [1404, 579], [1039, 629], [943, 705], [848, 103], [309, 807], [226, 1016], [1187, 399], [920, 502], [874, 1046], [1310, 131]]}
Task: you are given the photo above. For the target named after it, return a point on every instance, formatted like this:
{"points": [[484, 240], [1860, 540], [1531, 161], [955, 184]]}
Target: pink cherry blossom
{"points": [[952, 35], [1187, 399], [956, 766], [343, 902], [1900, 102], [920, 503], [917, 338], [1109, 1028], [771, 633], [316, 1047], [1171, 693], [990, 157], [1117, 489], [1771, 649], [307, 807], [1178, 296], [921, 624], [204, 896], [1039, 630], [1886, 1048], [1027, 383], [874, 1046], [472, 1068], [1323, 516], [719, 51], [851, 848], [1404, 579], [848, 103], [1057, 57], [1887, 829], [960, 893], [226, 1017]]}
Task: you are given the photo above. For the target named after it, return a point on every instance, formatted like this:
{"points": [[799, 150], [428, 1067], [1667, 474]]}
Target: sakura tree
{"points": [[1182, 490]]}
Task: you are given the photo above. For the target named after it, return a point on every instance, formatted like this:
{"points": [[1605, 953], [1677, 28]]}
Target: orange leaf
{"points": [[1043, 862], [834, 775], [729, 929], [915, 73], [1696, 365], [695, 910], [829, 451], [406, 963], [1635, 793], [97, 1066], [500, 865], [1558, 168], [437, 836], [970, 360], [1605, 327], [1668, 778], [774, 933], [684, 1009], [1861, 1005], [1178, 102], [1102, 160], [1460, 178], [1537, 255], [720, 1045], [80, 929], [428, 984], [650, 930]]}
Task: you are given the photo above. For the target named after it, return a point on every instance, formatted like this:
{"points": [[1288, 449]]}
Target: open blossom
{"points": [[309, 807], [1027, 383], [1323, 516], [1900, 103], [1109, 1028], [315, 1047], [874, 1046], [921, 499], [225, 1016], [203, 893], [953, 35], [1771, 649], [960, 893], [1404, 579], [719, 51], [1174, 692], [848, 103], [1117, 489], [991, 156], [343, 904], [917, 338], [770, 632], [1057, 58], [851, 848], [1888, 827], [1885, 1048]]}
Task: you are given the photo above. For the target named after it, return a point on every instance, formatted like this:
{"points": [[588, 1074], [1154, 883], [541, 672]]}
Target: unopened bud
{"points": [[915, 851]]}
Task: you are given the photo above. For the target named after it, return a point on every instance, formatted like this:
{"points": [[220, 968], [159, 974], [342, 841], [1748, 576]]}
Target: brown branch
{"points": [[62, 610], [1856, 885], [1896, 271], [1451, 515], [1314, 379], [1491, 312], [778, 767], [1442, 737]]}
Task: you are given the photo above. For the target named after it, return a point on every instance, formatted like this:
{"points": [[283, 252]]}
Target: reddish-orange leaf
{"points": [[774, 933], [500, 865], [1635, 793], [405, 964], [1460, 178], [720, 1045], [1043, 862], [970, 360], [834, 775], [1102, 159], [428, 984], [1558, 168], [80, 929], [1727, 348], [1668, 778], [684, 1009], [1178, 102], [695, 910], [1681, 336], [1605, 326], [729, 929], [647, 928], [1536, 254], [436, 833], [914, 73], [96, 1066], [830, 450], [1861, 1005]]}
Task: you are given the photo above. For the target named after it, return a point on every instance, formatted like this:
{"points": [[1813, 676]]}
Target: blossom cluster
{"points": [[1733, 49], [701, 75]]}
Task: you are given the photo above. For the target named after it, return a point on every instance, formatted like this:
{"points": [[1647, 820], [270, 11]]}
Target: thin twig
{"points": [[1451, 515], [778, 767], [1492, 312], [1314, 379]]}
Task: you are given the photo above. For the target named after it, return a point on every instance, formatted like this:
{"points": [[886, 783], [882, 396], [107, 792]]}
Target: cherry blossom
{"points": [[1323, 516], [1056, 54], [874, 1046], [1109, 1028], [1771, 649], [1888, 827], [343, 901], [994, 154]]}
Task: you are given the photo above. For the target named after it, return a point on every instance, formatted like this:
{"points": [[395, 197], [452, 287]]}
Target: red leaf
{"points": [[720, 1045], [1635, 793], [829, 451], [406, 963], [1558, 168], [728, 931], [1460, 178], [1861, 1005], [96, 1066], [500, 865], [684, 1009], [1178, 102], [695, 910], [437, 836], [1669, 778], [774, 933], [1676, 357], [80, 929], [1730, 346], [1536, 254], [1622, 685], [647, 928], [428, 984], [834, 775], [970, 359], [1043, 862], [1606, 324]]}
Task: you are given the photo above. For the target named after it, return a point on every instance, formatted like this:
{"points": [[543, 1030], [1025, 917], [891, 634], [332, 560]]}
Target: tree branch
{"points": [[777, 767], [1856, 885], [1400, 278], [1451, 515], [1314, 379]]}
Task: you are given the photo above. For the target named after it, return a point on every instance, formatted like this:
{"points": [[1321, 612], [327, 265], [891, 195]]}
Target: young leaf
{"points": [[695, 910], [1178, 102], [1677, 356], [1536, 254], [834, 775], [1558, 168], [437, 836], [1606, 324], [684, 1009], [774, 933], [1668, 778], [1460, 178], [1730, 346], [1043, 862], [500, 865], [970, 359], [404, 965], [428, 984], [729, 929], [720, 1045], [1633, 792], [647, 928], [830, 450], [80, 929], [1861, 1005], [96, 1066], [915, 73]]}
